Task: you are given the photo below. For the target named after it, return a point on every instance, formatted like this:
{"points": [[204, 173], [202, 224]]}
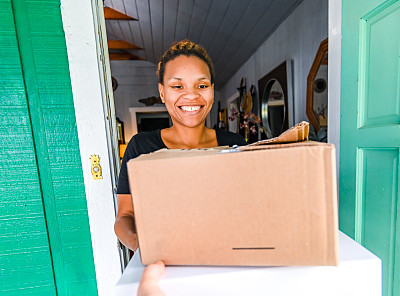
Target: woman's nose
{"points": [[191, 93]]}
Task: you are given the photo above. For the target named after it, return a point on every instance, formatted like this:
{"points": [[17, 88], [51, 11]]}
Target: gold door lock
{"points": [[96, 168]]}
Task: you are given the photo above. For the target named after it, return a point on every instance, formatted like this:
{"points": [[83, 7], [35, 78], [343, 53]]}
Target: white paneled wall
{"points": [[136, 80], [297, 39]]}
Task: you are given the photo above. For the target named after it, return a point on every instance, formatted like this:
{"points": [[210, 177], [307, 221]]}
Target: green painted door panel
{"points": [[369, 207], [45, 244], [25, 259]]}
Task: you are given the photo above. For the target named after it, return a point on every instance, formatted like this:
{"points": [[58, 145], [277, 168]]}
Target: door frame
{"points": [[83, 23], [89, 70], [334, 74]]}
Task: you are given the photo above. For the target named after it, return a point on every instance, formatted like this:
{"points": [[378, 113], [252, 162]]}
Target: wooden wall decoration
{"points": [[123, 56], [321, 58], [112, 14], [119, 48], [121, 44]]}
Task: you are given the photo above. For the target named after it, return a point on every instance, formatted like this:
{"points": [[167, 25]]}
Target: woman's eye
{"points": [[203, 86], [177, 86]]}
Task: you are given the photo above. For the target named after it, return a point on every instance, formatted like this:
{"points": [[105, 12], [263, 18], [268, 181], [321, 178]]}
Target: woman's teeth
{"points": [[190, 108]]}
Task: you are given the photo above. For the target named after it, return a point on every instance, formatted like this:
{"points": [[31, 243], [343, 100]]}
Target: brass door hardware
{"points": [[96, 168]]}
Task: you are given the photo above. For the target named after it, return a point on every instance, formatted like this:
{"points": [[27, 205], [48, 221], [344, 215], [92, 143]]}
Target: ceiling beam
{"points": [[112, 14], [123, 56], [121, 44]]}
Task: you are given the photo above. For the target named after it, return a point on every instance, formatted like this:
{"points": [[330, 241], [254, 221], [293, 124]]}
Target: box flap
{"points": [[297, 133]]}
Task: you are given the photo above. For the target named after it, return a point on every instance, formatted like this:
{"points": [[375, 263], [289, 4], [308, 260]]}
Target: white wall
{"points": [[136, 80], [297, 39]]}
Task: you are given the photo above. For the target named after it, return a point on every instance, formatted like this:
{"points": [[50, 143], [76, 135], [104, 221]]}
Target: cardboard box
{"points": [[268, 205]]}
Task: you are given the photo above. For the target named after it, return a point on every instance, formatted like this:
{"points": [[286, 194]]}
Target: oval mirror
{"points": [[273, 108], [273, 102]]}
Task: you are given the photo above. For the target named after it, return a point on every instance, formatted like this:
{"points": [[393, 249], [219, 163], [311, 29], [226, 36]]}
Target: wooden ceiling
{"points": [[230, 30]]}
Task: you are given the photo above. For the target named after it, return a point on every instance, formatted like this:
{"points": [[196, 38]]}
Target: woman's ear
{"points": [[161, 91]]}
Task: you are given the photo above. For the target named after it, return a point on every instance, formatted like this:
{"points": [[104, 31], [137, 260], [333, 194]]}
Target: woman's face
{"points": [[187, 90]]}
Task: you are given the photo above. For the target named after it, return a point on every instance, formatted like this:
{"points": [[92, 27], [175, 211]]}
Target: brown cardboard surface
{"points": [[270, 206]]}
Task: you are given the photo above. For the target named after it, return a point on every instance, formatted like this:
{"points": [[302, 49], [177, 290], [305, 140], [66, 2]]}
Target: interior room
{"points": [[246, 40]]}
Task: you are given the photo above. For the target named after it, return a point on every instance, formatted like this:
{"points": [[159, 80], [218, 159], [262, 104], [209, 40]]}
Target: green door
{"points": [[369, 207], [25, 257], [45, 245]]}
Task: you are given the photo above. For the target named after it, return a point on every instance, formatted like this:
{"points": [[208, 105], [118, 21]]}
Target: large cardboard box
{"points": [[266, 205]]}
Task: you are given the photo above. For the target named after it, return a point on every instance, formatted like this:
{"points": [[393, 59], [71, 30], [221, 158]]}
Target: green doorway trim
{"points": [[41, 150], [55, 164]]}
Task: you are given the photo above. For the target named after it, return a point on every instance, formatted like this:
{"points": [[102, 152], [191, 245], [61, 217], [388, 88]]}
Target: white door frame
{"points": [[334, 75], [90, 81], [94, 112]]}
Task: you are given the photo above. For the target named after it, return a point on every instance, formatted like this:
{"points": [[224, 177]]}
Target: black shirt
{"points": [[147, 142]]}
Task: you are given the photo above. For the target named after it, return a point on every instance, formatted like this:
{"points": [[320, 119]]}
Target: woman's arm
{"points": [[124, 226]]}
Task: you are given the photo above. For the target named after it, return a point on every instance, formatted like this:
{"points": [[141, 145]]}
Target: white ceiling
{"points": [[230, 30]]}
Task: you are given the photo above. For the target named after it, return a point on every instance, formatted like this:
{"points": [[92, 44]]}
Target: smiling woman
{"points": [[188, 95], [186, 86]]}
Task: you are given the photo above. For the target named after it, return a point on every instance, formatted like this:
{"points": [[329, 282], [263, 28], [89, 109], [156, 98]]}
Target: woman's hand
{"points": [[124, 226], [149, 283]]}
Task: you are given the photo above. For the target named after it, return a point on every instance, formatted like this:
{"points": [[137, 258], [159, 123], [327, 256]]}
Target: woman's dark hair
{"points": [[187, 48]]}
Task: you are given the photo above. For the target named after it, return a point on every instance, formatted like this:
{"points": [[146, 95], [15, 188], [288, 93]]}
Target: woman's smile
{"points": [[190, 109]]}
